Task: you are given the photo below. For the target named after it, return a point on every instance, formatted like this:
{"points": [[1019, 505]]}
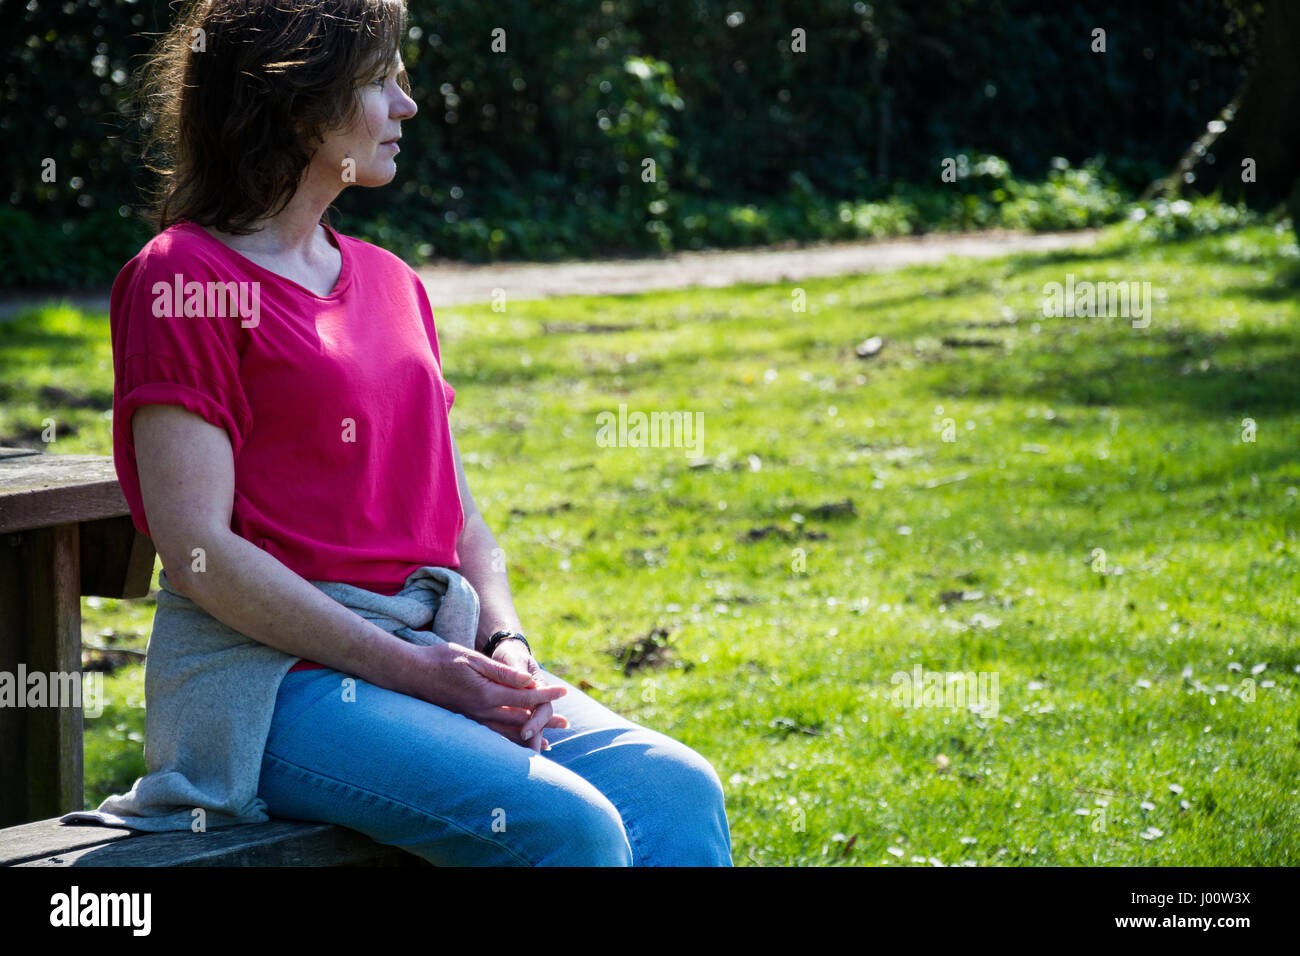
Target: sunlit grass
{"points": [[1097, 533]]}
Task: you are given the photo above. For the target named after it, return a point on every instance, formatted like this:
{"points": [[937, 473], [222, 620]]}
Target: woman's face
{"points": [[363, 154]]}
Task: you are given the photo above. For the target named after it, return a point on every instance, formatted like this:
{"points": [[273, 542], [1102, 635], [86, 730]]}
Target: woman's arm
{"points": [[482, 564], [187, 482]]}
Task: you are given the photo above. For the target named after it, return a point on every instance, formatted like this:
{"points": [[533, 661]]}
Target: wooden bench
{"points": [[65, 532], [277, 843]]}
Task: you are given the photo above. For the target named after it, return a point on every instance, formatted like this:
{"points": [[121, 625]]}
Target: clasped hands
{"points": [[506, 692]]}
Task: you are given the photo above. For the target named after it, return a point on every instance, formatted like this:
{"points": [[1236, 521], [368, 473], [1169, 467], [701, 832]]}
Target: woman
{"points": [[335, 639]]}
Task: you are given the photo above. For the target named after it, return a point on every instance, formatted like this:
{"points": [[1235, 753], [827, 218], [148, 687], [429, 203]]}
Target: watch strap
{"points": [[499, 636]]}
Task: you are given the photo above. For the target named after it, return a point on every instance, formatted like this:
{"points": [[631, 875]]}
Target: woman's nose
{"points": [[405, 107]]}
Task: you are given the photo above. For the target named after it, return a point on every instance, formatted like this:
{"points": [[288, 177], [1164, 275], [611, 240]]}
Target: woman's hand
{"points": [[514, 654], [499, 695]]}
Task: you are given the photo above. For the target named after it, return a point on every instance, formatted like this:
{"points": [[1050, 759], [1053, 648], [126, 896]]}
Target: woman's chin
{"points": [[381, 174]]}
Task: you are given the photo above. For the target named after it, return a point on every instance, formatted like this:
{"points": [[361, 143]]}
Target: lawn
{"points": [[1099, 522]]}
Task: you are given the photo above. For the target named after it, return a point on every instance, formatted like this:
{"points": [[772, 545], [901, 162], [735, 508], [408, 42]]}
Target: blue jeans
{"points": [[442, 786]]}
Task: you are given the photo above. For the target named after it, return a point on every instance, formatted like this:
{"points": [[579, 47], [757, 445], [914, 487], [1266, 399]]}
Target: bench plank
{"points": [[277, 843], [39, 491], [50, 838]]}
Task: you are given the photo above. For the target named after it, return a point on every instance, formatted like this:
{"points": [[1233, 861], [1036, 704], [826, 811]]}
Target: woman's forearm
{"points": [[482, 564], [253, 592]]}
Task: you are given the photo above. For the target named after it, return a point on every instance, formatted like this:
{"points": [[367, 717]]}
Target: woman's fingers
{"points": [[518, 716], [515, 717], [530, 698], [499, 673], [553, 719], [512, 701], [511, 733], [540, 718]]}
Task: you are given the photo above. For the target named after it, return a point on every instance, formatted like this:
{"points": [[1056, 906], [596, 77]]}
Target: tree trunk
{"points": [[1265, 126]]}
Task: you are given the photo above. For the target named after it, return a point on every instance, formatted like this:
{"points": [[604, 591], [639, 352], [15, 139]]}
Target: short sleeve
{"points": [[162, 355]]}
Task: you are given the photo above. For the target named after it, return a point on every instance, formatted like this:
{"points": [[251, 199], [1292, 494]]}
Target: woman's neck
{"points": [[294, 232]]}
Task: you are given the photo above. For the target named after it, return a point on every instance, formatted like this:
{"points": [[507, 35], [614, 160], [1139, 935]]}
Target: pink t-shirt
{"points": [[335, 405]]}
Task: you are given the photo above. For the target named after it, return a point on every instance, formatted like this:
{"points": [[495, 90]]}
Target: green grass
{"points": [[1127, 729]]}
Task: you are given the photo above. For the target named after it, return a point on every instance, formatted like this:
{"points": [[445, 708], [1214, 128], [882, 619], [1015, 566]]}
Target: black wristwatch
{"points": [[499, 636]]}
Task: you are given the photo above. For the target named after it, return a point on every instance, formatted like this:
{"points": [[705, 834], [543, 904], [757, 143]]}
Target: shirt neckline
{"points": [[345, 271]]}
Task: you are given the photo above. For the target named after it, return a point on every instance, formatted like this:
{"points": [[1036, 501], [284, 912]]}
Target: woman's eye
{"points": [[381, 80]]}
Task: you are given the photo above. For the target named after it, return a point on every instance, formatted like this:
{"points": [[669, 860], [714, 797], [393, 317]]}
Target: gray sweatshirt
{"points": [[210, 694]]}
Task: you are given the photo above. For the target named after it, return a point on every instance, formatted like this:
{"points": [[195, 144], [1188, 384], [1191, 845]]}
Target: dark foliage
{"points": [[538, 151]]}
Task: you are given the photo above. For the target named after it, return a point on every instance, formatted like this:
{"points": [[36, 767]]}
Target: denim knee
{"points": [[692, 825], [585, 832]]}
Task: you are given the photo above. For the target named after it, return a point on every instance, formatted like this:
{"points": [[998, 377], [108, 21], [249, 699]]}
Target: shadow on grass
{"points": [[1030, 261], [1284, 288], [1208, 249], [1250, 373]]}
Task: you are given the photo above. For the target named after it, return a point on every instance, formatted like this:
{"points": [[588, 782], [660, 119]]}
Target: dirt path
{"points": [[452, 284], [455, 283]]}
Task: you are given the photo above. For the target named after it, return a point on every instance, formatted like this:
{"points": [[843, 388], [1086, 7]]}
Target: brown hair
{"points": [[239, 93]]}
